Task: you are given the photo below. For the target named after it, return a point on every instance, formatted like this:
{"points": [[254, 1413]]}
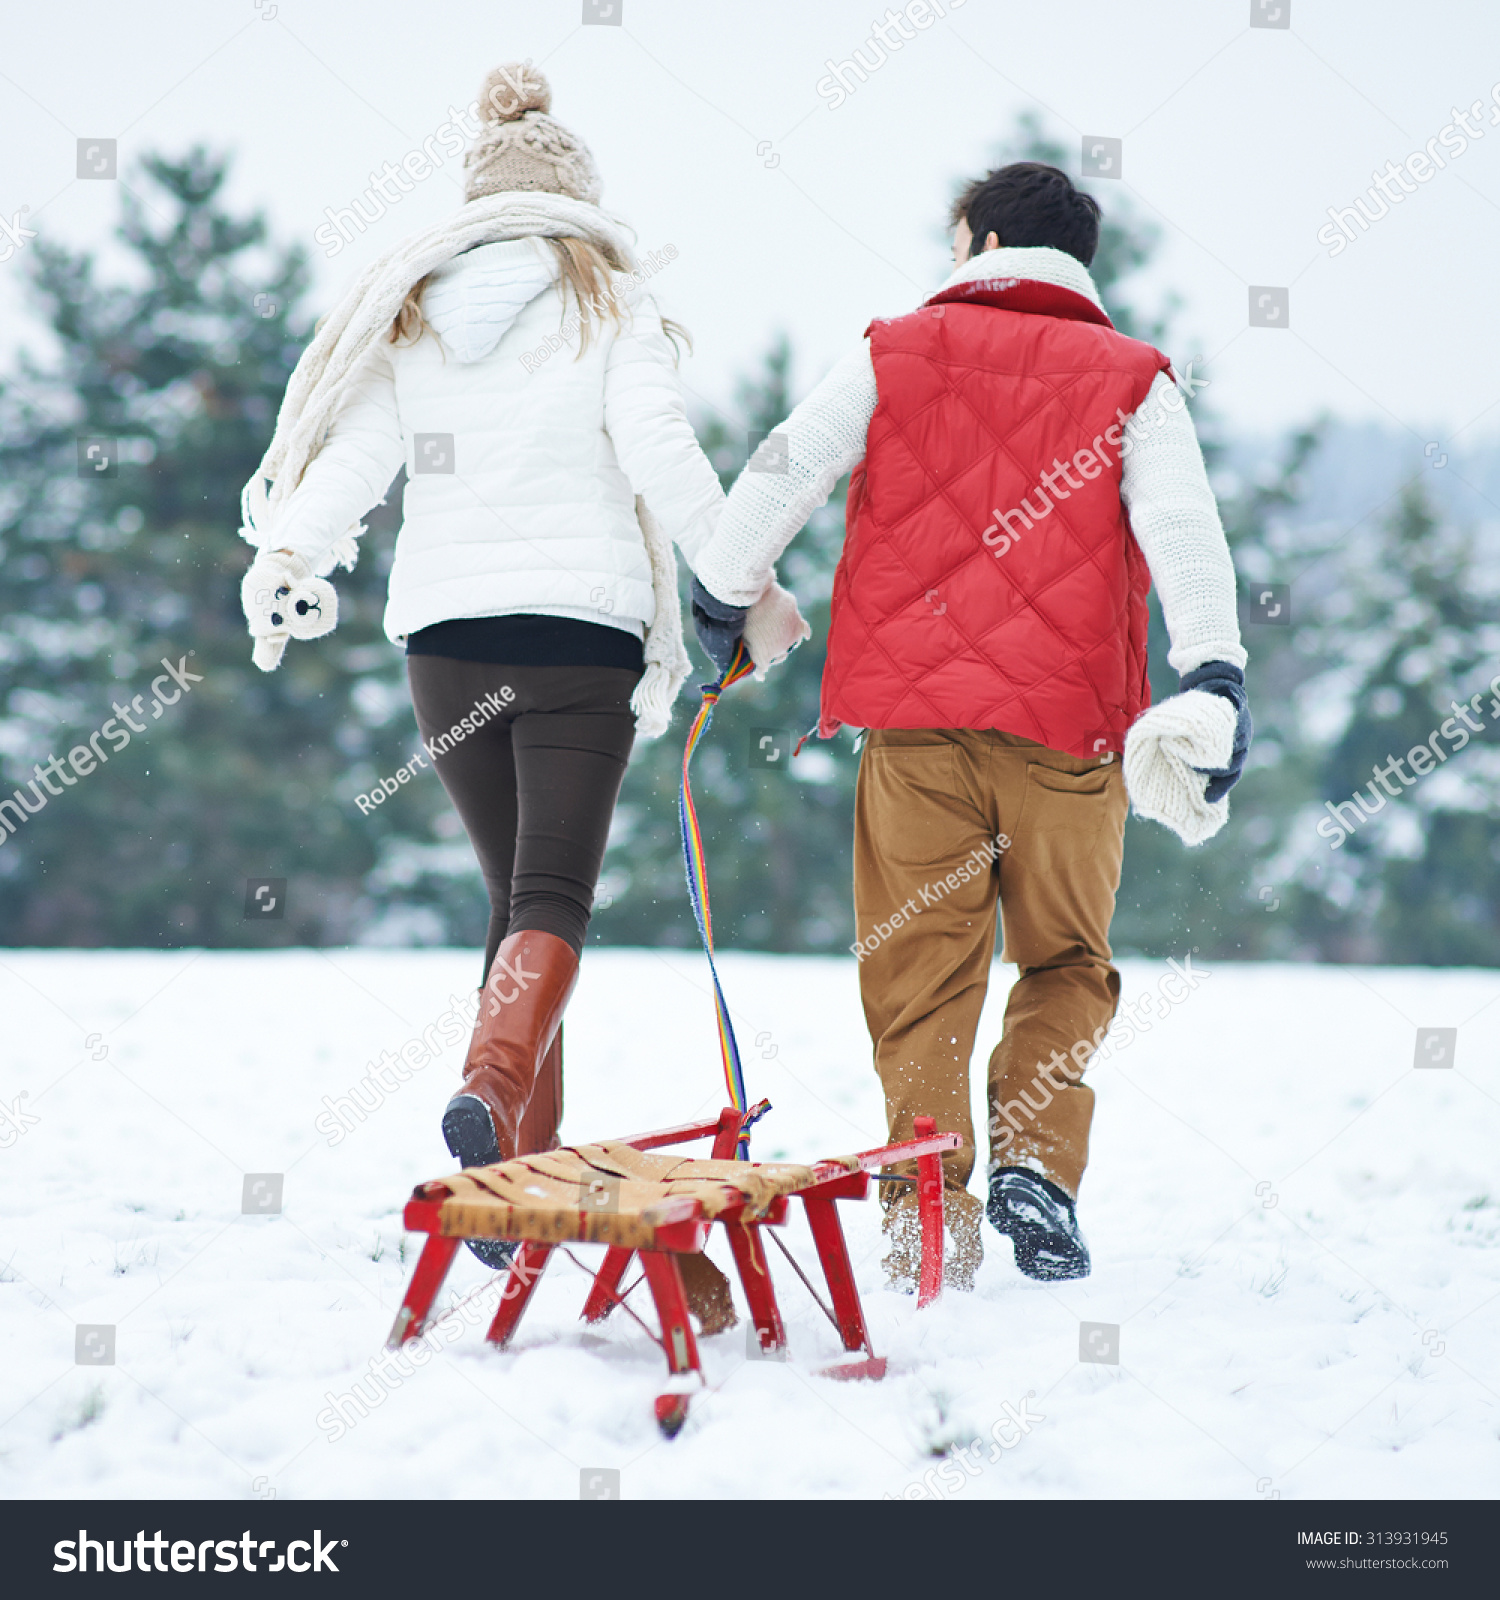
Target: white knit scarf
{"points": [[363, 316]]}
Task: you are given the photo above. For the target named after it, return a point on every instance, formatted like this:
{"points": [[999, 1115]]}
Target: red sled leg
{"points": [[525, 1273], [828, 1235], [930, 1216], [601, 1300], [432, 1268], [755, 1276], [677, 1339]]}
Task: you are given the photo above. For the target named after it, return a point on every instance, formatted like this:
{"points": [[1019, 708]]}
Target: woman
{"points": [[512, 362]]}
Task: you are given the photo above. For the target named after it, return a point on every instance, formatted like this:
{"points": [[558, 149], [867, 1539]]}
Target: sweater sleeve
{"points": [[353, 471], [1175, 519], [825, 437], [648, 425]]}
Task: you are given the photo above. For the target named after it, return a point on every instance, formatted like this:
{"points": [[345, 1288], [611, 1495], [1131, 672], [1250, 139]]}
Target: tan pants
{"points": [[947, 821]]}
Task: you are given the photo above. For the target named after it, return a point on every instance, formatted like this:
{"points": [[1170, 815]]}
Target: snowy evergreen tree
{"points": [[778, 833], [168, 377], [1403, 636]]}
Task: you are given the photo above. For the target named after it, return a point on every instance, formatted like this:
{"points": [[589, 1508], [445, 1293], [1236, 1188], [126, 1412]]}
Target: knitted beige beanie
{"points": [[520, 146]]}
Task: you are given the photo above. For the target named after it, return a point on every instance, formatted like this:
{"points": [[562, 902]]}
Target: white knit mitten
{"points": [[282, 600], [774, 627], [1163, 750]]}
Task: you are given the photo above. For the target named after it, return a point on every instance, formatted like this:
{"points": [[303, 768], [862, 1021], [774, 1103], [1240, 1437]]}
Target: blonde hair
{"points": [[584, 270], [409, 324]]}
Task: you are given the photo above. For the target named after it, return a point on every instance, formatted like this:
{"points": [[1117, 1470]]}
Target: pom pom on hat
{"points": [[520, 147], [511, 90]]}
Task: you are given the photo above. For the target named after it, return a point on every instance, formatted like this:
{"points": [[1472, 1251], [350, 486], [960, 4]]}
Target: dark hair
{"points": [[1029, 203]]}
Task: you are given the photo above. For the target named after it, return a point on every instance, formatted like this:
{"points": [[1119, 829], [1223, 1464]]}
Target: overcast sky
{"points": [[787, 211]]}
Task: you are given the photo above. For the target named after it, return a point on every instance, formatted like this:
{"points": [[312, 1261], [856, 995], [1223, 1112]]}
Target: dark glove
{"points": [[719, 626], [1218, 677]]}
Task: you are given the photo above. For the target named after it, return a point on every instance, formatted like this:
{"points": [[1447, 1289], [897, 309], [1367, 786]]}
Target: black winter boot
{"points": [[1040, 1220]]}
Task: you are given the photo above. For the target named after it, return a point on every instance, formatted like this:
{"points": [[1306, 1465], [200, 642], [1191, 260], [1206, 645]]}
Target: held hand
{"points": [[774, 628], [1218, 677], [719, 626], [281, 601]]}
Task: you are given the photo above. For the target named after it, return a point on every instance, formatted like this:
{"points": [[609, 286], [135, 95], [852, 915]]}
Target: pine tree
{"points": [[777, 832], [1407, 642], [173, 373], [1234, 897]]}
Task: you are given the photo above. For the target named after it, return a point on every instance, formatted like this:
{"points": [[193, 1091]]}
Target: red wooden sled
{"points": [[662, 1220]]}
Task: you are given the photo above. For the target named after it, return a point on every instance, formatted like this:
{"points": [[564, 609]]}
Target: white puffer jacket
{"points": [[524, 501]]}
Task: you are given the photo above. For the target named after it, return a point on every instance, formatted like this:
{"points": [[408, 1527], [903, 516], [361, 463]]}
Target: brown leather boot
{"points": [[514, 1056], [543, 1114], [520, 1014]]}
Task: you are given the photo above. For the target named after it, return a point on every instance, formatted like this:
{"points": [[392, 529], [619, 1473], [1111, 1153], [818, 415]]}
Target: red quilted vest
{"points": [[980, 586]]}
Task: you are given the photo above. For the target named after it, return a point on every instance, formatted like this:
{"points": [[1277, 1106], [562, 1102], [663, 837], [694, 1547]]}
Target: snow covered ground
{"points": [[1296, 1232]]}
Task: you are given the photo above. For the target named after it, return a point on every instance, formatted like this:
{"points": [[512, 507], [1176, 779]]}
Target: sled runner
{"points": [[619, 1194]]}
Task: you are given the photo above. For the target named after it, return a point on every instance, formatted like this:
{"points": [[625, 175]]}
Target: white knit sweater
{"points": [[1164, 486]]}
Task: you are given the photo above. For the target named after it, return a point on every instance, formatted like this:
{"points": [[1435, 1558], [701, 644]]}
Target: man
{"points": [[1023, 472]]}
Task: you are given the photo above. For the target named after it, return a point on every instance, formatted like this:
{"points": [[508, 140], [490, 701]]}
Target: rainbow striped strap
{"points": [[696, 866]]}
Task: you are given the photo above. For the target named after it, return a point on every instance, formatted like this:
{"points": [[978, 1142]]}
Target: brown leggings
{"points": [[534, 784]]}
